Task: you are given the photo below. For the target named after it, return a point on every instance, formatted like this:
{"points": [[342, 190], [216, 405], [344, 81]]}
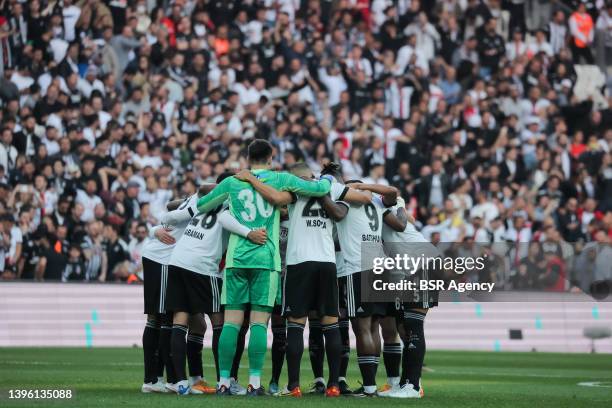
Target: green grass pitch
{"points": [[112, 378]]}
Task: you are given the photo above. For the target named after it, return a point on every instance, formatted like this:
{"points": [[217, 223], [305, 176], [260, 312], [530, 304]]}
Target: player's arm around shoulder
{"points": [[357, 197], [179, 211], [396, 220], [297, 185], [337, 202], [269, 193], [231, 224], [216, 196], [335, 210], [389, 194]]}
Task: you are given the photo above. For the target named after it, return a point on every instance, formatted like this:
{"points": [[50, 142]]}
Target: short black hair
{"points": [[259, 151], [224, 175], [332, 169]]}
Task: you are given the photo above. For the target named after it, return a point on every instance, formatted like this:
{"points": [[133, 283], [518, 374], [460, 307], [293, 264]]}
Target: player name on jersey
{"points": [[371, 238], [194, 233], [316, 224]]}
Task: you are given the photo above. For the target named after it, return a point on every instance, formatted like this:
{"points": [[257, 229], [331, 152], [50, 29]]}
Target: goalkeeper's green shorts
{"points": [[257, 287]]}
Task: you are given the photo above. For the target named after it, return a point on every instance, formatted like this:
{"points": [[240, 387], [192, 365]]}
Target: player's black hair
{"points": [[259, 151], [298, 166], [332, 169], [354, 181], [224, 175], [301, 169], [174, 204]]}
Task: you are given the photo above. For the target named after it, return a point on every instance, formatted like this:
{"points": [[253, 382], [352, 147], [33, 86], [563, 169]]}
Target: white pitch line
{"points": [[436, 371], [508, 374], [599, 384]]}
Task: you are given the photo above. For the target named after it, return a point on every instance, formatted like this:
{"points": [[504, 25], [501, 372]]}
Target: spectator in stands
{"points": [[116, 254], [583, 32], [109, 109]]}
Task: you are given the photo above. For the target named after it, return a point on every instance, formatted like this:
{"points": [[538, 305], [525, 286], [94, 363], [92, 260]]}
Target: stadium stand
{"points": [[493, 118]]}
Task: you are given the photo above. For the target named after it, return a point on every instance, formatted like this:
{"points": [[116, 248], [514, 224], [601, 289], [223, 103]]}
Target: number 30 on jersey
{"points": [[253, 205]]}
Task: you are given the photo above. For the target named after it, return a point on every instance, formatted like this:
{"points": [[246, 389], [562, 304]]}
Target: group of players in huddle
{"points": [[292, 246]]}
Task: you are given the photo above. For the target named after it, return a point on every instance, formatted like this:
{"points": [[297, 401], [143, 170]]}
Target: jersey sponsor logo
{"points": [[360, 309]]}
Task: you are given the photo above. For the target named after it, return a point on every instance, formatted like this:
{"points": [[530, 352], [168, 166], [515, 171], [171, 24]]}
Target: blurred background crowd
{"points": [[492, 117]]}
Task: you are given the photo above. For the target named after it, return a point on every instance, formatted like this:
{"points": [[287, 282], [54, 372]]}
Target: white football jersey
{"points": [[409, 242], [200, 248], [410, 234], [311, 229], [362, 225], [159, 252]]}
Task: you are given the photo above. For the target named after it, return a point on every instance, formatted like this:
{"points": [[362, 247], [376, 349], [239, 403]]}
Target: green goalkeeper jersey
{"points": [[251, 210]]}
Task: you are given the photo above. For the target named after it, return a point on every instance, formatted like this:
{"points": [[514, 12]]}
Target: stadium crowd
{"points": [[469, 107]]}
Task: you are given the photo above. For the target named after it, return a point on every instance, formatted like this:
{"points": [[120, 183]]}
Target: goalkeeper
{"points": [[252, 272]]}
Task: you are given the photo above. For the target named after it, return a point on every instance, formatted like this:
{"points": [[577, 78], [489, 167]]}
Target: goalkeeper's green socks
{"points": [[258, 344], [227, 349]]}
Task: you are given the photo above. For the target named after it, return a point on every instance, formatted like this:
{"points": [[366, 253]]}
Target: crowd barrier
{"points": [[110, 315]]}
